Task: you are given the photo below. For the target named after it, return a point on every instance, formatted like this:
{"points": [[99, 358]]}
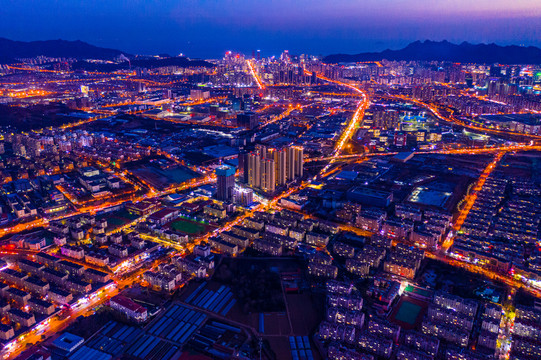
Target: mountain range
{"points": [[465, 52], [446, 51], [10, 49]]}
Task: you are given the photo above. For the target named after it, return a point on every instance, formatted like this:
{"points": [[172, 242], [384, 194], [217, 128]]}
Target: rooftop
{"points": [[128, 303], [68, 342]]}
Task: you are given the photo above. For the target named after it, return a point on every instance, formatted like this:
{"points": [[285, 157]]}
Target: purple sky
{"points": [[202, 28]]}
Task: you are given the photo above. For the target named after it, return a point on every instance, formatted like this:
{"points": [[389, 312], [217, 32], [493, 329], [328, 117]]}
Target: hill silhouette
{"points": [[446, 51]]}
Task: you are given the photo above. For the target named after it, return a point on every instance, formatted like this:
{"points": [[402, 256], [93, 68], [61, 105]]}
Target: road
{"points": [[355, 121], [56, 324], [59, 323], [470, 198], [254, 73], [461, 151]]}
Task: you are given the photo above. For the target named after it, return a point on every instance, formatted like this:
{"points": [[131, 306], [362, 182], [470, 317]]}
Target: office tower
{"points": [[243, 167], [225, 178], [235, 102], [247, 120], [281, 77], [469, 80]]}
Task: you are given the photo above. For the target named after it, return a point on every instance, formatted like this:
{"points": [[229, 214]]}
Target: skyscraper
{"points": [[295, 162], [266, 168], [280, 159], [299, 161], [254, 170], [243, 166], [268, 175], [225, 178]]}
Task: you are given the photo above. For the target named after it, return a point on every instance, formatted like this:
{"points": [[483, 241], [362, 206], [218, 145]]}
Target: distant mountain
{"points": [[148, 63], [446, 51], [10, 49]]}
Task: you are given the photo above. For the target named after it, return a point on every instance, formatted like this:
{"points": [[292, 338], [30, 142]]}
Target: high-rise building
{"points": [[254, 170], [243, 197], [295, 162], [140, 86], [266, 168], [280, 159], [225, 178], [268, 175], [243, 166], [198, 94], [248, 120]]}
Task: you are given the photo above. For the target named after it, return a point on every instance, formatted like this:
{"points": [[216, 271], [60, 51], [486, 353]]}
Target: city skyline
{"points": [[207, 29]]}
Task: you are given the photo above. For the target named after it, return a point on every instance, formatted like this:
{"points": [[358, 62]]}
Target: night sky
{"points": [[209, 28]]}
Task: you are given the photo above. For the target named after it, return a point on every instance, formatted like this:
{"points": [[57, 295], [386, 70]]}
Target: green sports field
{"points": [[188, 227]]}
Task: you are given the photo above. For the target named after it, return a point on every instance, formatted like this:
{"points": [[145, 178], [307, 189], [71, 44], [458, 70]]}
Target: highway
{"points": [[252, 70], [462, 151], [355, 121]]}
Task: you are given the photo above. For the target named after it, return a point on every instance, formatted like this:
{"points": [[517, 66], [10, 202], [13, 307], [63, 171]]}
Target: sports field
{"points": [[117, 219], [408, 312], [188, 227]]}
